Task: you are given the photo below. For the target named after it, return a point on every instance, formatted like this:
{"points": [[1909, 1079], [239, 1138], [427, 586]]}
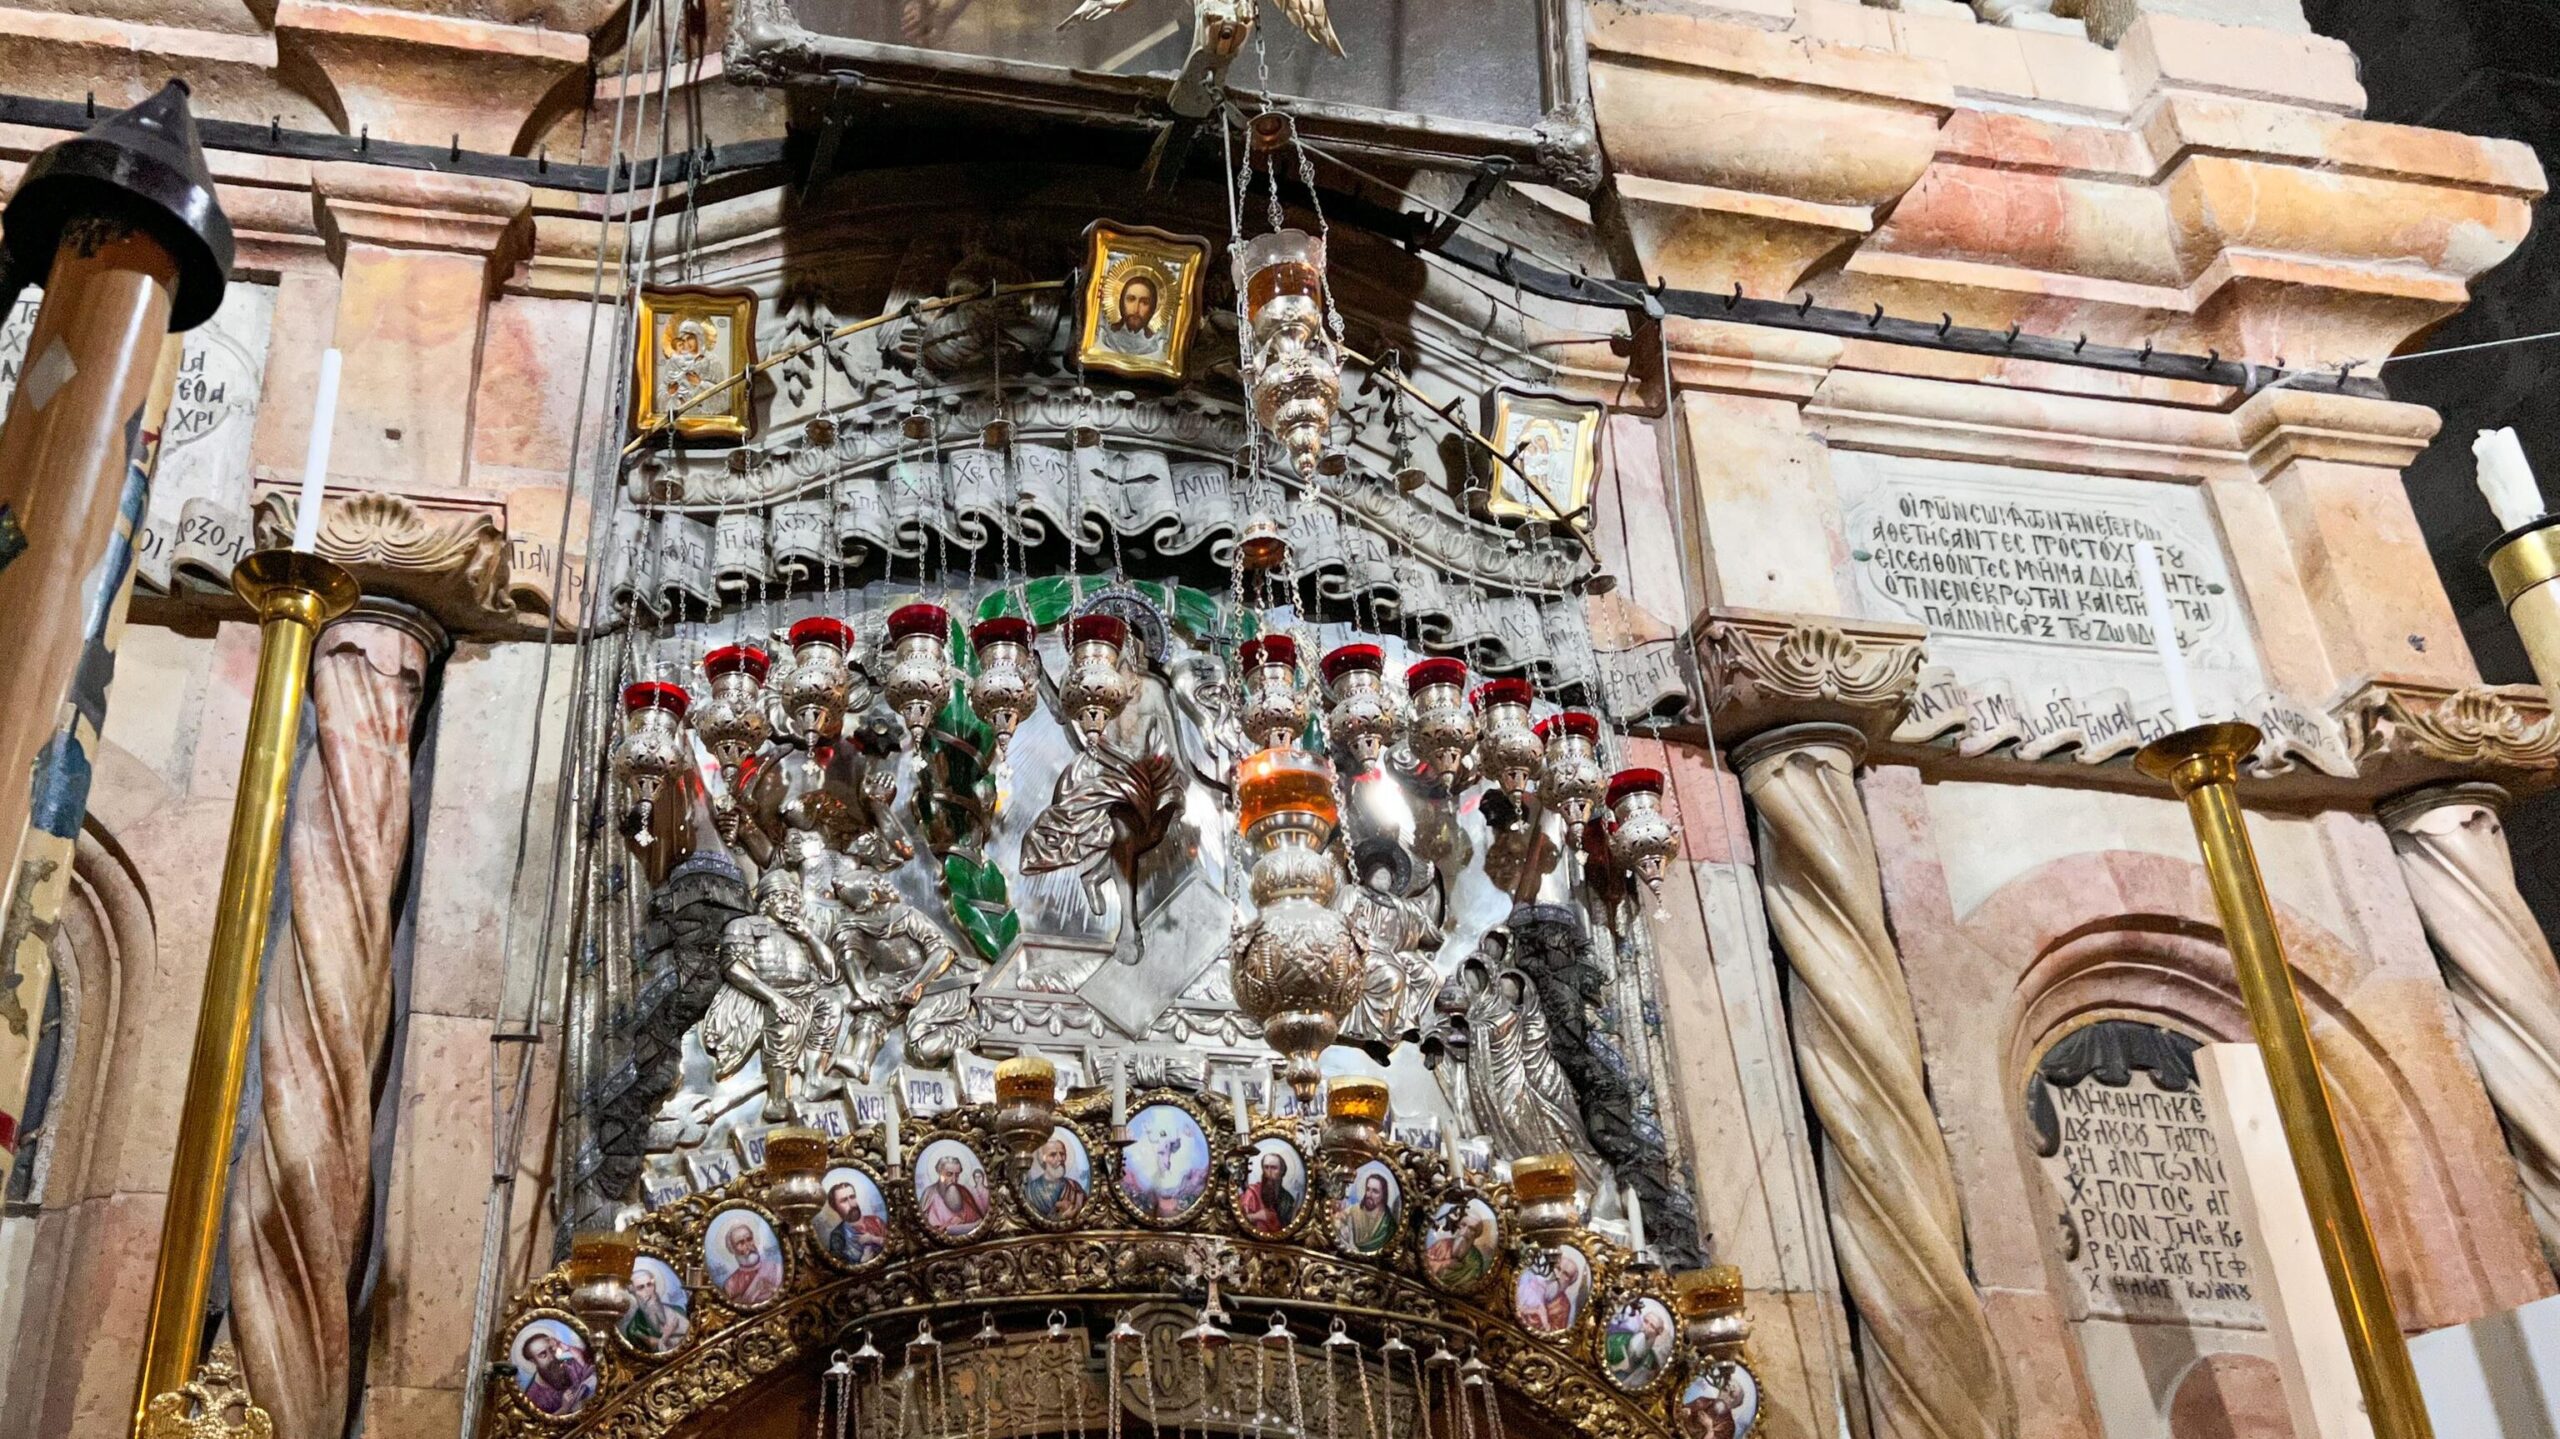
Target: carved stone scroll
{"points": [[2453, 851], [1935, 1370], [1770, 669], [300, 1206]]}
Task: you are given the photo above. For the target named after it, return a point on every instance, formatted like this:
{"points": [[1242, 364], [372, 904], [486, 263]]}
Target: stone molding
{"points": [[427, 78], [2404, 733], [418, 210], [1764, 670], [450, 561]]}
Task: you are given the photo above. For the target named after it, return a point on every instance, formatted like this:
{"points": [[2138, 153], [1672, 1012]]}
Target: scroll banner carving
{"points": [[2416, 733], [1989, 716], [1895, 1218]]}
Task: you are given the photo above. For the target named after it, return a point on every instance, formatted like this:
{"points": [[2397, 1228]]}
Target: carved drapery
{"points": [[300, 1207], [2453, 851], [1934, 1370]]}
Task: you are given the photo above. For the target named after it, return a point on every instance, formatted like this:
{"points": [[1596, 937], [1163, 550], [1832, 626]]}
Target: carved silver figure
{"points": [[1490, 1051], [1119, 795], [1396, 939], [784, 1000], [893, 956]]}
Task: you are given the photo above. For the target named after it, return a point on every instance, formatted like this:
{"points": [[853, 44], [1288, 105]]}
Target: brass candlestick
{"points": [[2523, 563], [294, 594], [2203, 765]]}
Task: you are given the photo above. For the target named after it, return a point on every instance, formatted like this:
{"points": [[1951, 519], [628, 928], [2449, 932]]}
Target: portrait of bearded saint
{"points": [[785, 995], [1114, 801]]}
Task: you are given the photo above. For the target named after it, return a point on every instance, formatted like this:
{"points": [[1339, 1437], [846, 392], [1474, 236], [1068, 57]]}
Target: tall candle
{"points": [[315, 460], [1120, 1093], [2164, 634], [1635, 1222], [2506, 480], [896, 1159], [1235, 1101]]}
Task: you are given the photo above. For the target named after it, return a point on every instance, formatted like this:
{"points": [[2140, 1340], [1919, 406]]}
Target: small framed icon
{"points": [[1554, 449], [1142, 290], [696, 348]]}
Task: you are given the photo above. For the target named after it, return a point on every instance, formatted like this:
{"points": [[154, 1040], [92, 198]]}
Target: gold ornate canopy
{"points": [[1027, 1269]]}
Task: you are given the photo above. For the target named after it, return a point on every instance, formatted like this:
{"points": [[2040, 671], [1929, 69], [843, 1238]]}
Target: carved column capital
{"points": [[1764, 670], [2409, 733], [448, 562], [421, 210]]}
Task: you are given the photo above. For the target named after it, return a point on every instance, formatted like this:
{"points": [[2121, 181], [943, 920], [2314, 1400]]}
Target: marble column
{"points": [[2506, 989], [1932, 1369], [301, 1205]]}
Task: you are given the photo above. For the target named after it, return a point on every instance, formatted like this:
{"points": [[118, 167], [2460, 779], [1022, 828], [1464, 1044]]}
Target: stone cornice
{"points": [[1764, 670], [2279, 426], [416, 210], [448, 560]]}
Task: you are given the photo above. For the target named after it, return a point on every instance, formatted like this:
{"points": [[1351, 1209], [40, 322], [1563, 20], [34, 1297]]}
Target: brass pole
{"points": [[293, 594], [2523, 563], [2203, 765]]}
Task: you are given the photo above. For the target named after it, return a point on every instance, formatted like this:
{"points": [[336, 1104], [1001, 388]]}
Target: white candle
{"points": [[1635, 1221], [1120, 1093], [1235, 1101], [2506, 480], [1447, 1144], [894, 1147], [2164, 634], [315, 460]]}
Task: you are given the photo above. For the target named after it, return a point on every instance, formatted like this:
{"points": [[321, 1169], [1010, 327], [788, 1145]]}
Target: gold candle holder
{"points": [[2523, 563], [293, 593], [2203, 765], [1547, 1188]]}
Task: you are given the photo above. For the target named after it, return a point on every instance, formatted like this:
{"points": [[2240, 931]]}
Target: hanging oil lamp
{"points": [[1364, 714], [653, 747], [1355, 1119], [1507, 745], [1444, 720], [1262, 541], [1007, 683], [1641, 837], [1293, 368], [1293, 966], [1275, 705], [731, 718], [795, 1162], [599, 1271], [1026, 1106], [1097, 685], [919, 680], [821, 675], [1572, 782]]}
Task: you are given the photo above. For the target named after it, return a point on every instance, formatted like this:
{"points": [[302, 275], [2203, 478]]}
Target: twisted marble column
{"points": [[1932, 1365], [301, 1202], [2453, 851]]}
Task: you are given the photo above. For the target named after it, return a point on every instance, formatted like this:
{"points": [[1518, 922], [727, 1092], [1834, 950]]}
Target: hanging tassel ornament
{"points": [[919, 680], [1007, 684], [1275, 705], [1571, 783], [1365, 716], [652, 748]]}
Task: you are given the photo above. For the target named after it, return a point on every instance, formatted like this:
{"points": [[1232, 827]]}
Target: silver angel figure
{"points": [[784, 999], [1113, 802]]}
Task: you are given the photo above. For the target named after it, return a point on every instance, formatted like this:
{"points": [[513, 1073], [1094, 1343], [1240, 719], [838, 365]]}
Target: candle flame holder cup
{"points": [[1026, 1105], [1507, 745], [1006, 685], [600, 1275], [1294, 969], [813, 690], [918, 683], [795, 1163], [1547, 1189], [1275, 705], [1355, 1119], [1097, 685], [1364, 717], [652, 749], [1642, 838]]}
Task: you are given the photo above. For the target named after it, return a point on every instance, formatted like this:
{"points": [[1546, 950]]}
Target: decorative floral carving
{"points": [[213, 1405], [1770, 669], [453, 565], [2477, 727]]}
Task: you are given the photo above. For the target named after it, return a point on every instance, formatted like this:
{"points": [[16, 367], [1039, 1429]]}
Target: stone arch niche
{"points": [[2126, 976]]}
